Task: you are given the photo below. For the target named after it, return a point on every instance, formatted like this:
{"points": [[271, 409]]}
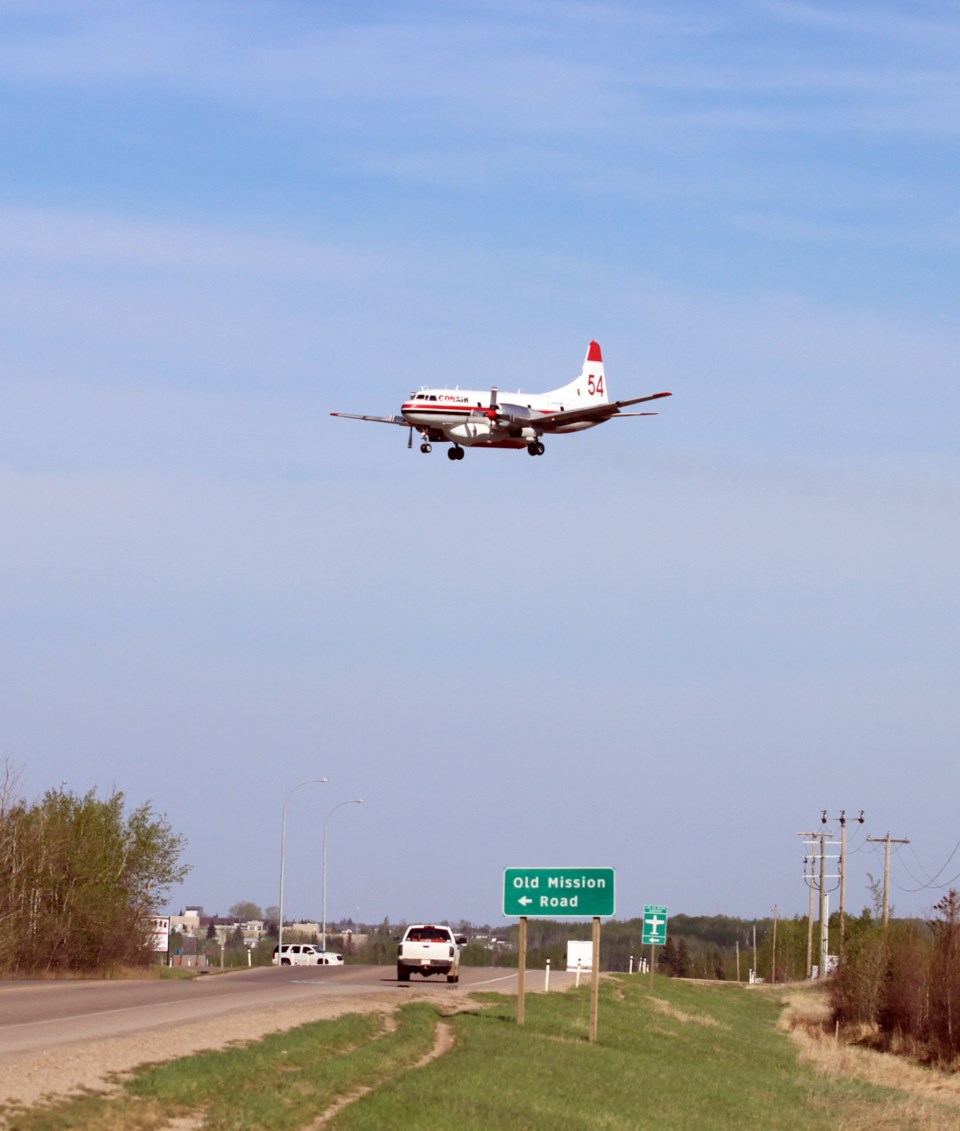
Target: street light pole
{"points": [[283, 854], [354, 801]]}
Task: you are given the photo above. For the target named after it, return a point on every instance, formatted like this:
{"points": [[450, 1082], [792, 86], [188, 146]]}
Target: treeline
{"points": [[899, 987], [79, 879], [698, 946]]}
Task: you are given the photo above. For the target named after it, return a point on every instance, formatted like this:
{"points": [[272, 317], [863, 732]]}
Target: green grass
{"points": [[283, 1081], [714, 1061], [686, 1056], [177, 973]]}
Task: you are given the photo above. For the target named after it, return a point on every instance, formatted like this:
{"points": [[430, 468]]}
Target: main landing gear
{"points": [[536, 448], [456, 452]]}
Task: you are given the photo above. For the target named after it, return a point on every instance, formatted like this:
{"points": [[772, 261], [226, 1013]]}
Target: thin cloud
{"points": [[62, 236], [505, 70]]}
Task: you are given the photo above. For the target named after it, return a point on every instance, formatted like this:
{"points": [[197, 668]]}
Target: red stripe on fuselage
{"points": [[439, 410], [451, 410]]}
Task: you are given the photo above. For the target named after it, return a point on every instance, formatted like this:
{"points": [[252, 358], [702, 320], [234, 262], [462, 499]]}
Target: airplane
{"points": [[466, 418]]}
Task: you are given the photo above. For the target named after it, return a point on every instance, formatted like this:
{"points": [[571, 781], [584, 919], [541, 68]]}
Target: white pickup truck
{"points": [[427, 949]]}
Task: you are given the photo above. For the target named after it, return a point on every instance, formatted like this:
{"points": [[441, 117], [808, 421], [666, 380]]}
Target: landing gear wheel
{"points": [[425, 447], [536, 448], [455, 453]]}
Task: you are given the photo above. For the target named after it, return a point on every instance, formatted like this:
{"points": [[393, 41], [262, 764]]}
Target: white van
{"points": [[305, 954]]}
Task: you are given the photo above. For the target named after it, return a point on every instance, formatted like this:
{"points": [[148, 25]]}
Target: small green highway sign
{"points": [[558, 891], [654, 925]]}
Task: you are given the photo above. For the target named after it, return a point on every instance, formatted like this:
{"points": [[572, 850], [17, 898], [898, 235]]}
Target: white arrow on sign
{"points": [[524, 900]]}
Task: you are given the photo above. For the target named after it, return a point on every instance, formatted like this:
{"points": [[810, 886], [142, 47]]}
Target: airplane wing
{"points": [[377, 419], [596, 414]]}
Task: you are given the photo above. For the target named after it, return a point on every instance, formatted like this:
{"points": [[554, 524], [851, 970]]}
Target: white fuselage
{"points": [[474, 418], [464, 415]]}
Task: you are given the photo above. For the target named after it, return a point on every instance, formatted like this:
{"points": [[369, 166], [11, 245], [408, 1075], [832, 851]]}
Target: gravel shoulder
{"points": [[63, 1069]]}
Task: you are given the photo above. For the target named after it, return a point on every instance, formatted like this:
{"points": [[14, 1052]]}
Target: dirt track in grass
{"points": [[66, 1068]]}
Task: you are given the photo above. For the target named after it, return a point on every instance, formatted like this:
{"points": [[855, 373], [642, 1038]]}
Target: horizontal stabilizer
{"points": [[592, 414]]}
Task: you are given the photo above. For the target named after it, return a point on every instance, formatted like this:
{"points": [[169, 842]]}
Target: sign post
{"points": [[575, 893], [654, 931], [595, 987], [522, 973]]}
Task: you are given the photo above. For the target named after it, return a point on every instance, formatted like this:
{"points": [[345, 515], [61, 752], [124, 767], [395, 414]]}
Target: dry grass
{"points": [[147, 973], [929, 1100], [680, 1015]]}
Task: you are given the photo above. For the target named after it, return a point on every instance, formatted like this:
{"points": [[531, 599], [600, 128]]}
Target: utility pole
{"points": [[773, 959], [824, 944], [886, 841], [819, 841], [808, 879], [843, 866]]}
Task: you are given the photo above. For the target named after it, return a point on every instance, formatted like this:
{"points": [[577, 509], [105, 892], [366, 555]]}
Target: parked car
{"points": [[305, 954]]}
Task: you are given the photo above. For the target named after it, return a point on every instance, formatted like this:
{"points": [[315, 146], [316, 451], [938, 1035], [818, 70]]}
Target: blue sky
{"points": [[665, 646]]}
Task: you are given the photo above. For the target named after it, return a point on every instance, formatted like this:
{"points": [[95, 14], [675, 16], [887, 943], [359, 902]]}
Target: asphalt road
{"points": [[39, 1015]]}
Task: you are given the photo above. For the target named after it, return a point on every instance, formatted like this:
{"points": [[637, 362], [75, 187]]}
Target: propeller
{"points": [[410, 439], [494, 409]]}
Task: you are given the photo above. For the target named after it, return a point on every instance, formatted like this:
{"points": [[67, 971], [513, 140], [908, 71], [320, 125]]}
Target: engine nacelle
{"points": [[517, 413], [476, 431]]}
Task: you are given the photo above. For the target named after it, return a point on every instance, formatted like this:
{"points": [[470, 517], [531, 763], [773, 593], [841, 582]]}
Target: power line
{"points": [[931, 880]]}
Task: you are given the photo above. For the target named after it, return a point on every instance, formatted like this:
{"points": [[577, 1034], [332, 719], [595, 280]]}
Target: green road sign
{"points": [[554, 892], [654, 925]]}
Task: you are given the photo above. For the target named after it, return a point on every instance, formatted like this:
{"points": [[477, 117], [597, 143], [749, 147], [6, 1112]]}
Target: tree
{"points": [[246, 911], [667, 959], [944, 988], [79, 879], [682, 967]]}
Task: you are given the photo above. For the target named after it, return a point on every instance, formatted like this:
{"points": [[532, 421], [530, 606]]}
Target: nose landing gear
{"points": [[426, 448]]}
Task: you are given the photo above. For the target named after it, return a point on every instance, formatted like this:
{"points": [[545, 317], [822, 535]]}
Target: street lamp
{"points": [[354, 801], [283, 853]]}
